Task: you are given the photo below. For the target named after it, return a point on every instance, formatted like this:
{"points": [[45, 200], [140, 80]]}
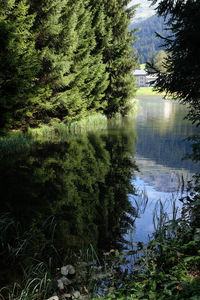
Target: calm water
{"points": [[160, 148], [86, 189]]}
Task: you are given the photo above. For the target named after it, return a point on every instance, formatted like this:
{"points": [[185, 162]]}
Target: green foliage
{"points": [[19, 63], [118, 57], [181, 78], [170, 263], [158, 62], [59, 58]]}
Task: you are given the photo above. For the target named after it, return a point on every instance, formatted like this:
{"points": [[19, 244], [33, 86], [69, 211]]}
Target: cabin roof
{"points": [[140, 73]]}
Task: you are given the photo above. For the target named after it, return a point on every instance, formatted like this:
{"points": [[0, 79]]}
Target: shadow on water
{"points": [[58, 197]]}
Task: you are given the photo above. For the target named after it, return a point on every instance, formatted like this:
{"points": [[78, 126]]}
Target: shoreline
{"points": [[147, 91]]}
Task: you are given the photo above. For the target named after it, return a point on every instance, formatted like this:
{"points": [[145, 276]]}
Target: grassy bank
{"points": [[147, 91], [17, 141]]}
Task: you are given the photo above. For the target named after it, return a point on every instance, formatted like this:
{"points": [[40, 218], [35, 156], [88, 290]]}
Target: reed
{"points": [[14, 143]]}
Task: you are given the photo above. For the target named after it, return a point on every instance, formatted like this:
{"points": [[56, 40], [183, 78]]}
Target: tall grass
{"points": [[35, 285], [18, 142], [14, 143]]}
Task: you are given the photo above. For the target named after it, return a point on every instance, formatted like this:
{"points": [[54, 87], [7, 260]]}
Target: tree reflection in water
{"points": [[59, 197]]}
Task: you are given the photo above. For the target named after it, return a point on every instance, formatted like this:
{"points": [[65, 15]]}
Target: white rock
{"points": [[65, 280], [67, 295], [76, 295], [69, 269], [53, 298], [60, 284]]}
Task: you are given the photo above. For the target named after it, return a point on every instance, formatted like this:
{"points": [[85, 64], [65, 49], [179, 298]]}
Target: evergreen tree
{"points": [[84, 64], [56, 40], [119, 57], [102, 39], [64, 59], [19, 63], [159, 60], [182, 79], [72, 70]]}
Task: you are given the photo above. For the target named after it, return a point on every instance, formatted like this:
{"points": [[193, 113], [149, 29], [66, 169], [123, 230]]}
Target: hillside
{"points": [[143, 11], [148, 44]]}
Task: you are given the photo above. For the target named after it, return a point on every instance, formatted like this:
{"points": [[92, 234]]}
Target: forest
{"points": [[64, 60], [148, 44]]}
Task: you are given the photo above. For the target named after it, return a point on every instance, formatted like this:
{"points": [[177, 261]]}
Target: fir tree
{"points": [[54, 52], [64, 59], [72, 71], [19, 63], [102, 39], [119, 57]]}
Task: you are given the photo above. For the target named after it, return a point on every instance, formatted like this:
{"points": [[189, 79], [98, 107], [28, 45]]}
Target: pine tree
{"points": [[19, 63], [90, 77], [79, 95], [63, 60], [72, 70], [119, 57], [102, 39], [55, 55]]}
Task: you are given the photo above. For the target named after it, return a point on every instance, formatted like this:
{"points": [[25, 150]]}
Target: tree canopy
{"points": [[62, 60], [182, 76]]}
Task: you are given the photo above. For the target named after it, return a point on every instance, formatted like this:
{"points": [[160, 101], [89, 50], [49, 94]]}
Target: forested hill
{"points": [[148, 44]]}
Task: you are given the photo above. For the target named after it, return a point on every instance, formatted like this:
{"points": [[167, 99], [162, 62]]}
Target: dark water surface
{"points": [[63, 194]]}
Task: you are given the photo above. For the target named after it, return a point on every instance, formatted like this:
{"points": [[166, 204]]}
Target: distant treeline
{"points": [[148, 43], [64, 59]]}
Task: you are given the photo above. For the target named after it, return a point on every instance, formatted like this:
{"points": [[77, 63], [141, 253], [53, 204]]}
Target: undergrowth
{"points": [[168, 267]]}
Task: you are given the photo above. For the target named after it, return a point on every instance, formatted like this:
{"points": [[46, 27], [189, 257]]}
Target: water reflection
{"points": [[161, 145], [162, 139], [60, 195], [66, 195]]}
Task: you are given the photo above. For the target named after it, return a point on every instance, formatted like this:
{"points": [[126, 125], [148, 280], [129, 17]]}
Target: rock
{"points": [[69, 269], [76, 295], [65, 280], [67, 295], [53, 298], [60, 284]]}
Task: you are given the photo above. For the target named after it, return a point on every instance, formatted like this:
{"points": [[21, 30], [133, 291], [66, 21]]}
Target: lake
{"points": [[161, 146], [99, 188]]}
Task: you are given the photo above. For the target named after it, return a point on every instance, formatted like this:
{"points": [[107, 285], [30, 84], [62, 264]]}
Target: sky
{"points": [[144, 11]]}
